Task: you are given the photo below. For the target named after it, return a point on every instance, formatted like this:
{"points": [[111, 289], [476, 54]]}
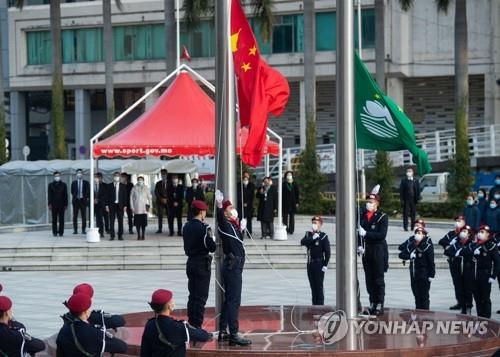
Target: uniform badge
{"points": [[420, 255], [373, 226], [317, 243], [485, 254]]}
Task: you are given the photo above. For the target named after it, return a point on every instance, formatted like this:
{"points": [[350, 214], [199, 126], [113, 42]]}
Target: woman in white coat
{"points": [[140, 201]]}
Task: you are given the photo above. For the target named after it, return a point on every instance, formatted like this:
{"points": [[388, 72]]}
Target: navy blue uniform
{"points": [[451, 237], [14, 341], [198, 244], [164, 336], [81, 339], [318, 256], [232, 270], [486, 260], [376, 256], [421, 257], [463, 275]]}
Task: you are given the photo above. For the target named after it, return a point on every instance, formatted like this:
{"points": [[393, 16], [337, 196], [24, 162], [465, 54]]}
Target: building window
{"points": [[82, 45], [139, 42], [200, 40], [288, 32], [39, 47]]}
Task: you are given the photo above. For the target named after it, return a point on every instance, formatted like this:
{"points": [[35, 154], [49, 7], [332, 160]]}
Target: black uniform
{"points": [[232, 270], [175, 195], [117, 201], [58, 201], [463, 269], [454, 266], [376, 256], [248, 194], [318, 256], [100, 202], [486, 262], [198, 243], [290, 202], [164, 336], [161, 189], [191, 195], [268, 203], [85, 340], [14, 341], [130, 215], [80, 194], [422, 268], [98, 317], [409, 194]]}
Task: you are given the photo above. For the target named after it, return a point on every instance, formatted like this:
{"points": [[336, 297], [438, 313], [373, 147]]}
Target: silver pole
{"points": [[346, 192], [92, 183], [225, 134], [361, 151]]}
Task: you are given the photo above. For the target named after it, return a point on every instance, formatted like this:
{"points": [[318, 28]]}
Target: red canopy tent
{"points": [[181, 122]]}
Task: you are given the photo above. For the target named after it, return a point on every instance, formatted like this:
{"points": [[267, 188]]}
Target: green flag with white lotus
{"points": [[380, 123]]}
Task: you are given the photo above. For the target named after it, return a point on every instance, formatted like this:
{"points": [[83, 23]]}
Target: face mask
{"points": [[289, 178], [245, 182], [409, 173], [270, 183], [195, 186], [463, 235], [175, 181], [493, 205], [470, 202], [481, 236], [116, 178], [79, 176], [480, 195], [141, 183], [164, 178], [96, 180], [459, 224], [123, 180], [497, 182], [496, 196], [234, 213], [370, 206], [57, 178], [315, 227], [419, 237]]}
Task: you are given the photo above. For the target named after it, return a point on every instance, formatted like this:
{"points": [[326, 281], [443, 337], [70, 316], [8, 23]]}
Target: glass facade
{"points": [[146, 41]]}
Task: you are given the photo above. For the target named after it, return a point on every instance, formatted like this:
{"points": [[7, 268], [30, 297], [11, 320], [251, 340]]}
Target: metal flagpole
{"points": [[346, 163], [361, 151], [225, 135]]}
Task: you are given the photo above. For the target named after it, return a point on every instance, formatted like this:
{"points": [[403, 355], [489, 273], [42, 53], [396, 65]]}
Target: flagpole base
{"points": [[93, 235], [280, 232]]}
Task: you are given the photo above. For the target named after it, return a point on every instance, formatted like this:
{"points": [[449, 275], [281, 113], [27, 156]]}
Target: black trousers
{"points": [[58, 220], [267, 228], [289, 221], [175, 213], [482, 293], [316, 278], [462, 283], [409, 211], [105, 216], [160, 211], [232, 270], [115, 212], [198, 270], [420, 288], [79, 205], [374, 264], [99, 217], [130, 218]]}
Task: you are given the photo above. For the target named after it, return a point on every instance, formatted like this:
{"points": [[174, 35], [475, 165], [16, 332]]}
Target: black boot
{"points": [[371, 309], [223, 336], [455, 307], [235, 340]]}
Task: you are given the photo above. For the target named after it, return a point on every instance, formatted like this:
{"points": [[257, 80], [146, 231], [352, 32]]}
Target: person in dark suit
{"points": [[126, 179], [247, 193], [80, 194], [193, 193], [161, 195], [268, 206], [290, 202], [175, 194], [471, 213], [100, 202], [117, 205], [58, 202], [409, 194]]}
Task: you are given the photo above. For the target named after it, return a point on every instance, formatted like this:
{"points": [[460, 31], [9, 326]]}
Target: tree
{"points": [[3, 153], [309, 67], [461, 175], [170, 36], [384, 176]]}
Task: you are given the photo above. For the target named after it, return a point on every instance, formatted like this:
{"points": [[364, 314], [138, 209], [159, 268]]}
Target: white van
{"points": [[433, 187]]}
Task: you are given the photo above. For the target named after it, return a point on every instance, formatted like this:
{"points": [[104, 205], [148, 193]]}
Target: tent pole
{"points": [[280, 231]]}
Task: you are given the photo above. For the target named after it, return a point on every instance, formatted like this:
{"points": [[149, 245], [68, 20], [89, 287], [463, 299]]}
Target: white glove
{"points": [[453, 241], [219, 197], [361, 231], [491, 280], [315, 236], [360, 250], [430, 279], [243, 224], [477, 251], [413, 255], [458, 252], [324, 269]]}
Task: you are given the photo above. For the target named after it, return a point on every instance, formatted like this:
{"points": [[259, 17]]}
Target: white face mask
{"points": [[234, 213], [116, 178], [79, 176], [493, 205], [195, 185], [57, 178], [96, 180], [459, 224], [470, 201], [463, 235], [175, 181], [140, 182], [245, 182], [289, 178], [419, 237], [315, 227], [409, 174], [164, 178], [370, 206], [481, 236], [496, 196], [480, 195]]}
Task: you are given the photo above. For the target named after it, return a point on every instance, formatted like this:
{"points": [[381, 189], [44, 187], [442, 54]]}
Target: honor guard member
{"points": [[194, 193], [165, 336], [486, 260], [318, 256], [99, 318], [418, 249], [373, 247], [198, 244], [14, 340], [464, 266], [230, 231], [80, 194], [445, 243], [79, 338]]}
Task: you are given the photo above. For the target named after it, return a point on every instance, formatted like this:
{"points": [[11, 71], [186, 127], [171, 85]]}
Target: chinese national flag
{"points": [[261, 89]]}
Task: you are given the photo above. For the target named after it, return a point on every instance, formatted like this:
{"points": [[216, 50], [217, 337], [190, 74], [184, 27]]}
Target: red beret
{"points": [[79, 303], [317, 218], [5, 303], [421, 222], [422, 229], [161, 296], [373, 196], [84, 288], [484, 227], [461, 218], [202, 206], [226, 204], [466, 228]]}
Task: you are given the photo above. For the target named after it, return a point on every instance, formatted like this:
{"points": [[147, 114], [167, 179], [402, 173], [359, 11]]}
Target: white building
{"points": [[419, 65]]}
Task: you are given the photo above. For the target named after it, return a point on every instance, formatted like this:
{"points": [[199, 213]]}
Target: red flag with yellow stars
{"points": [[261, 89]]}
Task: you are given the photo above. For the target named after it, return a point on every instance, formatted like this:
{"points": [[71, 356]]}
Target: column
{"points": [[302, 118], [396, 90], [150, 101], [82, 123], [17, 124]]}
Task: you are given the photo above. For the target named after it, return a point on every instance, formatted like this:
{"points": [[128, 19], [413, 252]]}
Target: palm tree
{"points": [[170, 36], [59, 144], [3, 153], [461, 181], [309, 63]]}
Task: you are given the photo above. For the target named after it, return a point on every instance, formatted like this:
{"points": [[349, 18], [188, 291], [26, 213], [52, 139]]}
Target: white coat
{"points": [[139, 198]]}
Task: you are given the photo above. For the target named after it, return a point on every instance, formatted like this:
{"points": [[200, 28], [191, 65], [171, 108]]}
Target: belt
{"points": [[315, 260]]}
